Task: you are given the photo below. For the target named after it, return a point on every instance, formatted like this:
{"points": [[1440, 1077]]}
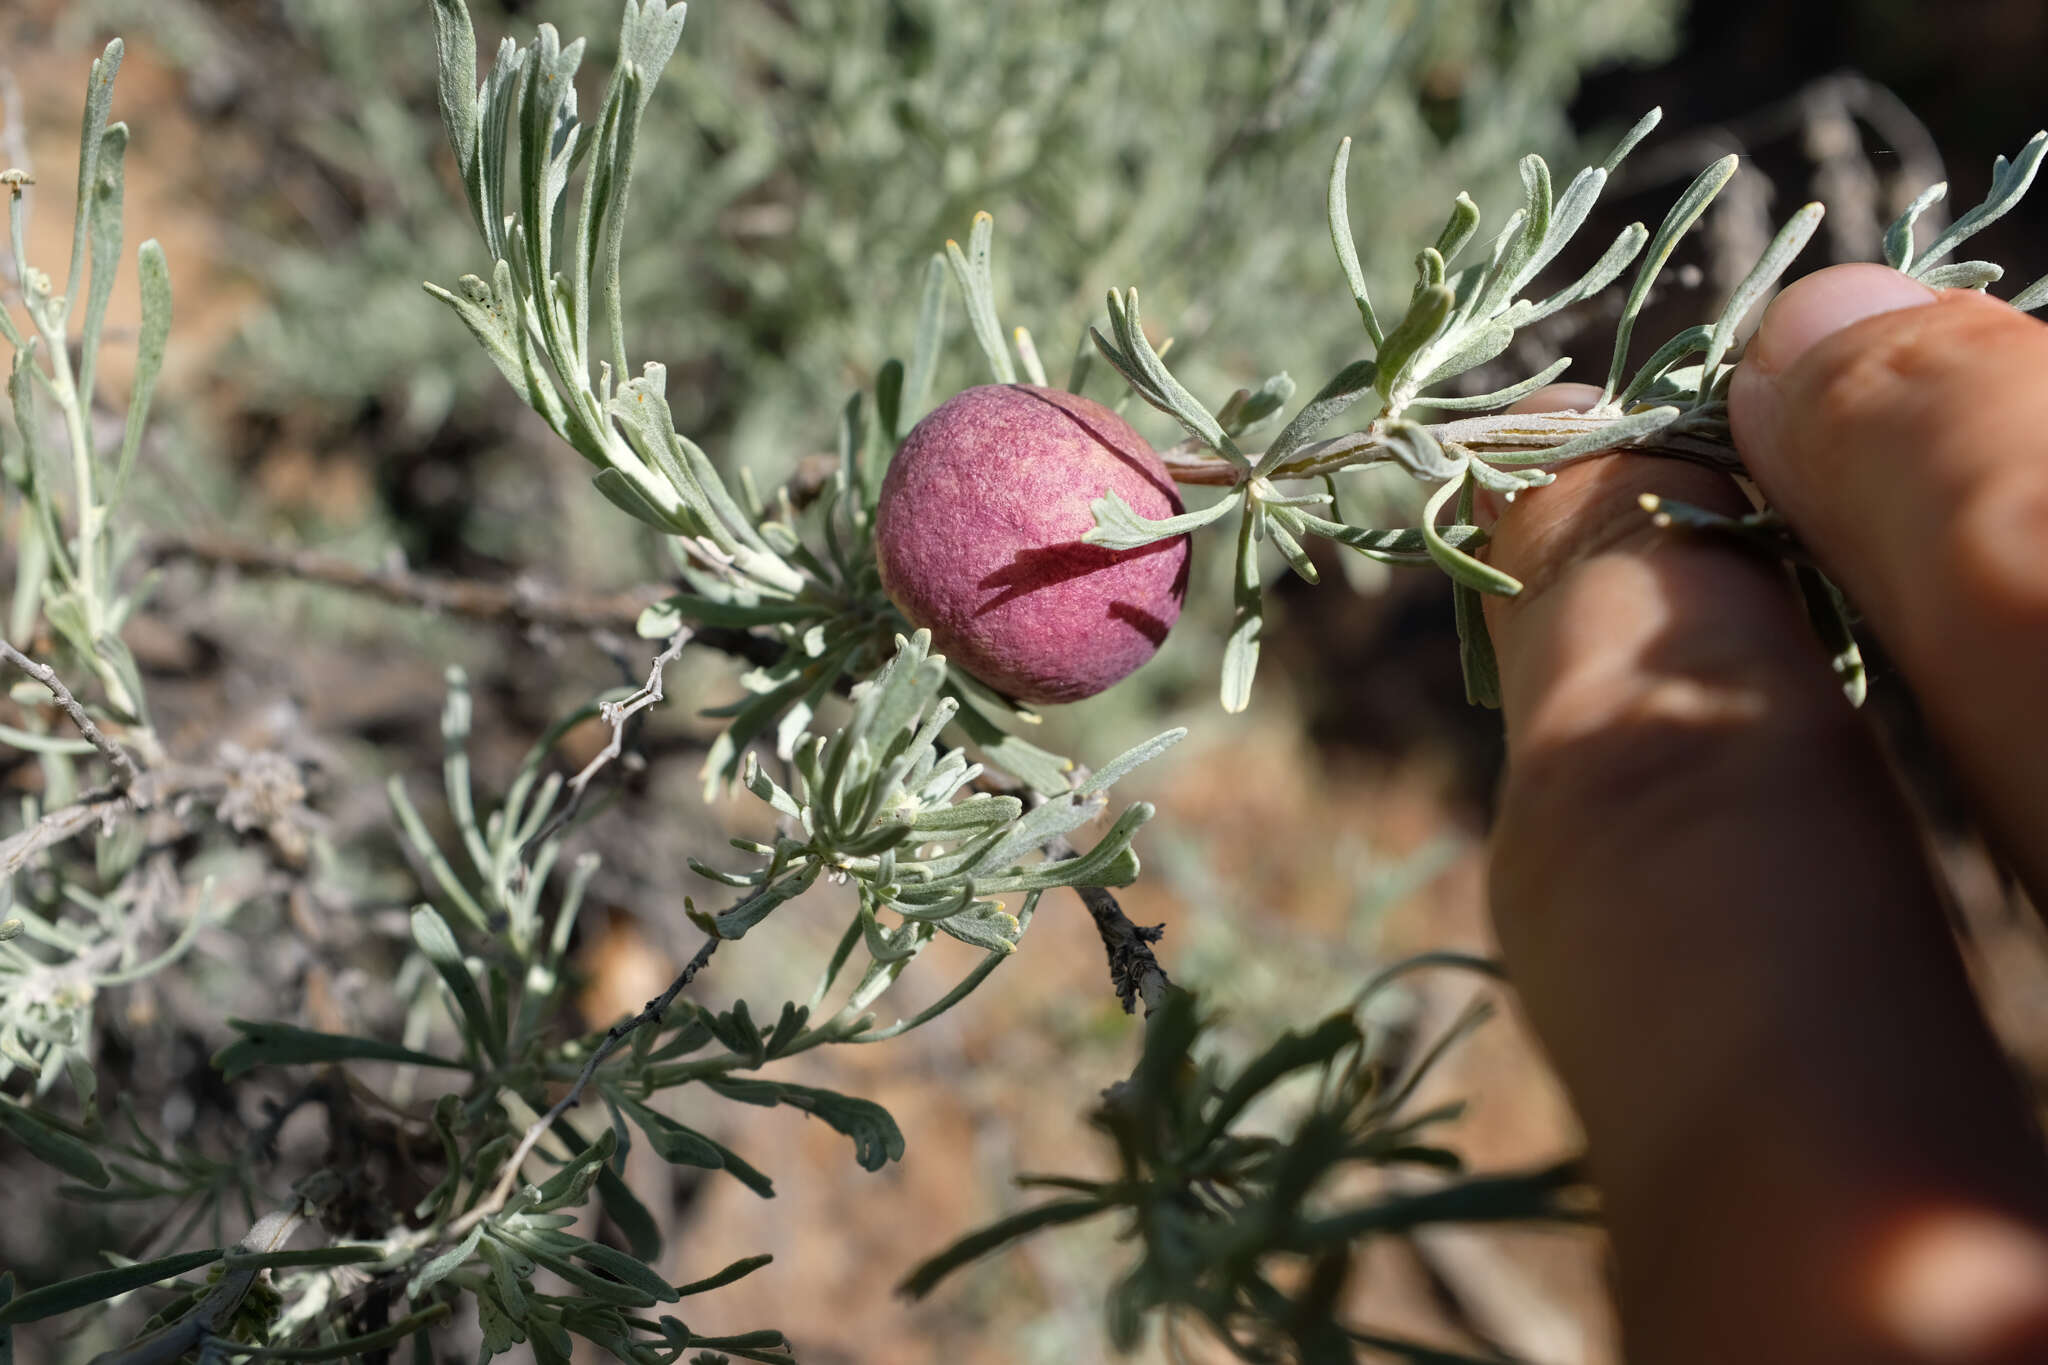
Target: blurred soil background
{"points": [[316, 399]]}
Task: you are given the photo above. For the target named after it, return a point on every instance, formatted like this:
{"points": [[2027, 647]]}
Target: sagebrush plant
{"points": [[819, 149], [890, 770]]}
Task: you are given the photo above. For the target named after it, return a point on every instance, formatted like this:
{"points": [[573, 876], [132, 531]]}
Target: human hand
{"points": [[1710, 891]]}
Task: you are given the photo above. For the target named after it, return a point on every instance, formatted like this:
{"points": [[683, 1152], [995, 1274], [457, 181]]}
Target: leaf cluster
{"points": [[1250, 1232], [1457, 319]]}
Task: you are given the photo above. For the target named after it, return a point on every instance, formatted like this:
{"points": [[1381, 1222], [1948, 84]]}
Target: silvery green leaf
{"points": [[627, 1270], [1475, 643], [1478, 345], [495, 317], [2033, 296], [436, 941], [1521, 260], [1458, 228], [1109, 863], [1417, 450], [456, 88], [1790, 241], [1403, 548], [1027, 355], [1689, 342], [1038, 769], [1117, 527], [977, 812], [1349, 385], [100, 1285], [924, 352], [276, 1044], [104, 252], [1429, 268], [1039, 826], [1269, 397], [1347, 247], [622, 493], [670, 1140], [99, 98], [1898, 238], [36, 459], [430, 853], [997, 1235], [1281, 531], [642, 410], [1508, 481], [984, 925], [1682, 216], [2009, 183], [121, 663], [629, 1215], [1461, 567], [1117, 768], [557, 1260], [788, 1025], [876, 1139], [764, 787], [1499, 398], [485, 182], [739, 1269], [1602, 273], [1134, 357], [48, 1143], [1573, 208], [443, 1265], [1423, 323], [886, 945], [1620, 432], [735, 922], [889, 417], [1963, 275], [976, 277], [1635, 135], [1241, 649]]}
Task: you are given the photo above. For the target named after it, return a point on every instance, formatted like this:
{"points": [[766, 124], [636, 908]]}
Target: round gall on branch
{"points": [[979, 538]]}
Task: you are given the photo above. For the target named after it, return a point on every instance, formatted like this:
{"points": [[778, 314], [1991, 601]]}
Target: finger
{"points": [[1720, 920], [1910, 450]]}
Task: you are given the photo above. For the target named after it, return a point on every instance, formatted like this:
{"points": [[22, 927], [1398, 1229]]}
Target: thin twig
{"points": [[613, 1038], [125, 771], [520, 603], [615, 714]]}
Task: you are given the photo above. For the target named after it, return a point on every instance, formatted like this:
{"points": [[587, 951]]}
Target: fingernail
{"points": [[1824, 303]]}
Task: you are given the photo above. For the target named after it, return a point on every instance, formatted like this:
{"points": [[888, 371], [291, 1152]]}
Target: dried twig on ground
{"points": [[519, 603]]}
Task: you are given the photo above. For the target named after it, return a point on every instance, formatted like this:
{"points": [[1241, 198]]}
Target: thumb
{"points": [[1903, 432]]}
